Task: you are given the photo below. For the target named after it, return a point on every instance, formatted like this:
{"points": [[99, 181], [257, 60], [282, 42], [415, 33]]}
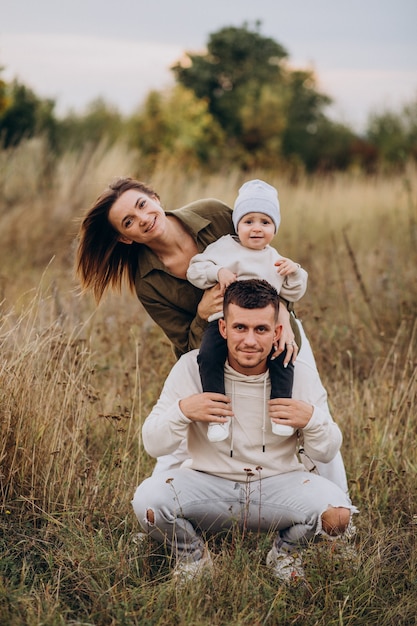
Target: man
{"points": [[210, 493]]}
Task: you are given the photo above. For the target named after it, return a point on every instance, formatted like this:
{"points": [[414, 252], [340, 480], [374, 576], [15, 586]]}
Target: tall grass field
{"points": [[77, 382]]}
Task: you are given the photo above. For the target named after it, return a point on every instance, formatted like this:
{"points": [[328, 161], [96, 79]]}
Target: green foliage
{"points": [[326, 146], [272, 115], [266, 110], [24, 115], [175, 126], [100, 122], [3, 96], [263, 121], [394, 135], [235, 59], [239, 103], [304, 116]]}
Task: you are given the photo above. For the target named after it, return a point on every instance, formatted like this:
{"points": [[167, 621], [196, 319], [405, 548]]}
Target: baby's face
{"points": [[256, 230]]}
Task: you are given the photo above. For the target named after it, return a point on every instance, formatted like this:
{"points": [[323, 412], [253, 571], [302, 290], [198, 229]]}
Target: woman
{"points": [[127, 236]]}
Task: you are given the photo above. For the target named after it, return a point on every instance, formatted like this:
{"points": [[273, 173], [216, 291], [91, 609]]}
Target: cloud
{"points": [[75, 69], [357, 93]]}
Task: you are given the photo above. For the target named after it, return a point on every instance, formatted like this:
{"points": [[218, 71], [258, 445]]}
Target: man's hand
{"points": [[290, 412], [207, 407]]}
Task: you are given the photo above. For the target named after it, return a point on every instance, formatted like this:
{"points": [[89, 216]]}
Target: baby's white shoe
{"points": [[282, 430], [217, 432]]}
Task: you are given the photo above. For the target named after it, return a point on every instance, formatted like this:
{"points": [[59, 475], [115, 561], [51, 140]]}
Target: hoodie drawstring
{"points": [[234, 380], [231, 421], [264, 417]]}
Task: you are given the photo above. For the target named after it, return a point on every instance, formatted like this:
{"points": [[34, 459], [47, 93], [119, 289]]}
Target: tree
{"points": [[394, 135], [175, 125], [265, 109], [25, 115], [100, 122], [236, 58], [331, 146], [3, 96], [263, 119], [304, 115]]}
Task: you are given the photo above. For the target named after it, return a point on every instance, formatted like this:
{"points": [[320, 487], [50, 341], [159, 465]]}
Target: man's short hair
{"points": [[251, 294]]}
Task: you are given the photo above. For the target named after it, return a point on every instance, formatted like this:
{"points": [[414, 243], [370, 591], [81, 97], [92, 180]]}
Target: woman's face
{"points": [[137, 217]]}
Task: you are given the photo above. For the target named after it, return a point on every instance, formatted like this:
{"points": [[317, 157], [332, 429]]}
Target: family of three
{"points": [[221, 409]]}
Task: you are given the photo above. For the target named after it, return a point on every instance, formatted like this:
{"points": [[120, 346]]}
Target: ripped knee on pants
{"points": [[335, 520], [150, 517]]}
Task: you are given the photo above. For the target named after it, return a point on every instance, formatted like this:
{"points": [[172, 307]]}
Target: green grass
{"points": [[76, 384]]}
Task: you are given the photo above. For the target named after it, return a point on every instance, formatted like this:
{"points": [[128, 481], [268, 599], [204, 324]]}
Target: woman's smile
{"points": [[137, 217], [149, 228]]}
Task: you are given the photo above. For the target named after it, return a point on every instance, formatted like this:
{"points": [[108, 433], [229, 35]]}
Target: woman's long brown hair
{"points": [[103, 261]]}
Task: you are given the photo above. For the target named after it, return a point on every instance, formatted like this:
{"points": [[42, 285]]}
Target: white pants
{"points": [[174, 506]]}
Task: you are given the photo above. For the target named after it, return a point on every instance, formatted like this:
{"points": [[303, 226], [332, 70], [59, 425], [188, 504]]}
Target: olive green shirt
{"points": [[171, 301]]}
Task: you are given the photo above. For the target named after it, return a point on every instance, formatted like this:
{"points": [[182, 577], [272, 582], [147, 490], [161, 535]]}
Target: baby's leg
{"points": [[282, 379], [211, 360]]}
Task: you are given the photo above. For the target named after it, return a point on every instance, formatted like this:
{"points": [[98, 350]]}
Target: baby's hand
{"points": [[286, 266], [225, 278]]}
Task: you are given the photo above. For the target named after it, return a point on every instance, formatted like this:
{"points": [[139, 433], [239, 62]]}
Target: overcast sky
{"points": [[364, 52]]}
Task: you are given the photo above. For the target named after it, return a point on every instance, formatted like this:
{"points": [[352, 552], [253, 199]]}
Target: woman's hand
{"points": [[287, 337], [211, 302]]}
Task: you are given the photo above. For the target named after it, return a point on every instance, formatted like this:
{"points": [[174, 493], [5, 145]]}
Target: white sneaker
{"points": [[282, 429], [337, 550], [140, 539], [218, 432], [186, 571], [284, 565]]}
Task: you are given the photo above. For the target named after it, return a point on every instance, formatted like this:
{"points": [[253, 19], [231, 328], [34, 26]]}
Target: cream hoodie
{"points": [[246, 263], [251, 443]]}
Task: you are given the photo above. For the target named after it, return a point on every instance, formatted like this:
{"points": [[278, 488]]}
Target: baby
{"points": [[256, 218]]}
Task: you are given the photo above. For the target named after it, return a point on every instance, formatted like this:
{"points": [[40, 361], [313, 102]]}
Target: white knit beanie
{"points": [[256, 196]]}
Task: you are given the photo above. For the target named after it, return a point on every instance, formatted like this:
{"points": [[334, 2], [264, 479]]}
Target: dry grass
{"points": [[76, 383]]}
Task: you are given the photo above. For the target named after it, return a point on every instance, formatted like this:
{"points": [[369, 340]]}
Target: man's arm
{"points": [[181, 402], [308, 410], [166, 426], [322, 437]]}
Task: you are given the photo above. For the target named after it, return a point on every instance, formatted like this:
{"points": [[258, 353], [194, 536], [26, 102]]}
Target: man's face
{"points": [[250, 335]]}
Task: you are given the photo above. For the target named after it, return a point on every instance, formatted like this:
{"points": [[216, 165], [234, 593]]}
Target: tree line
{"points": [[238, 102]]}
